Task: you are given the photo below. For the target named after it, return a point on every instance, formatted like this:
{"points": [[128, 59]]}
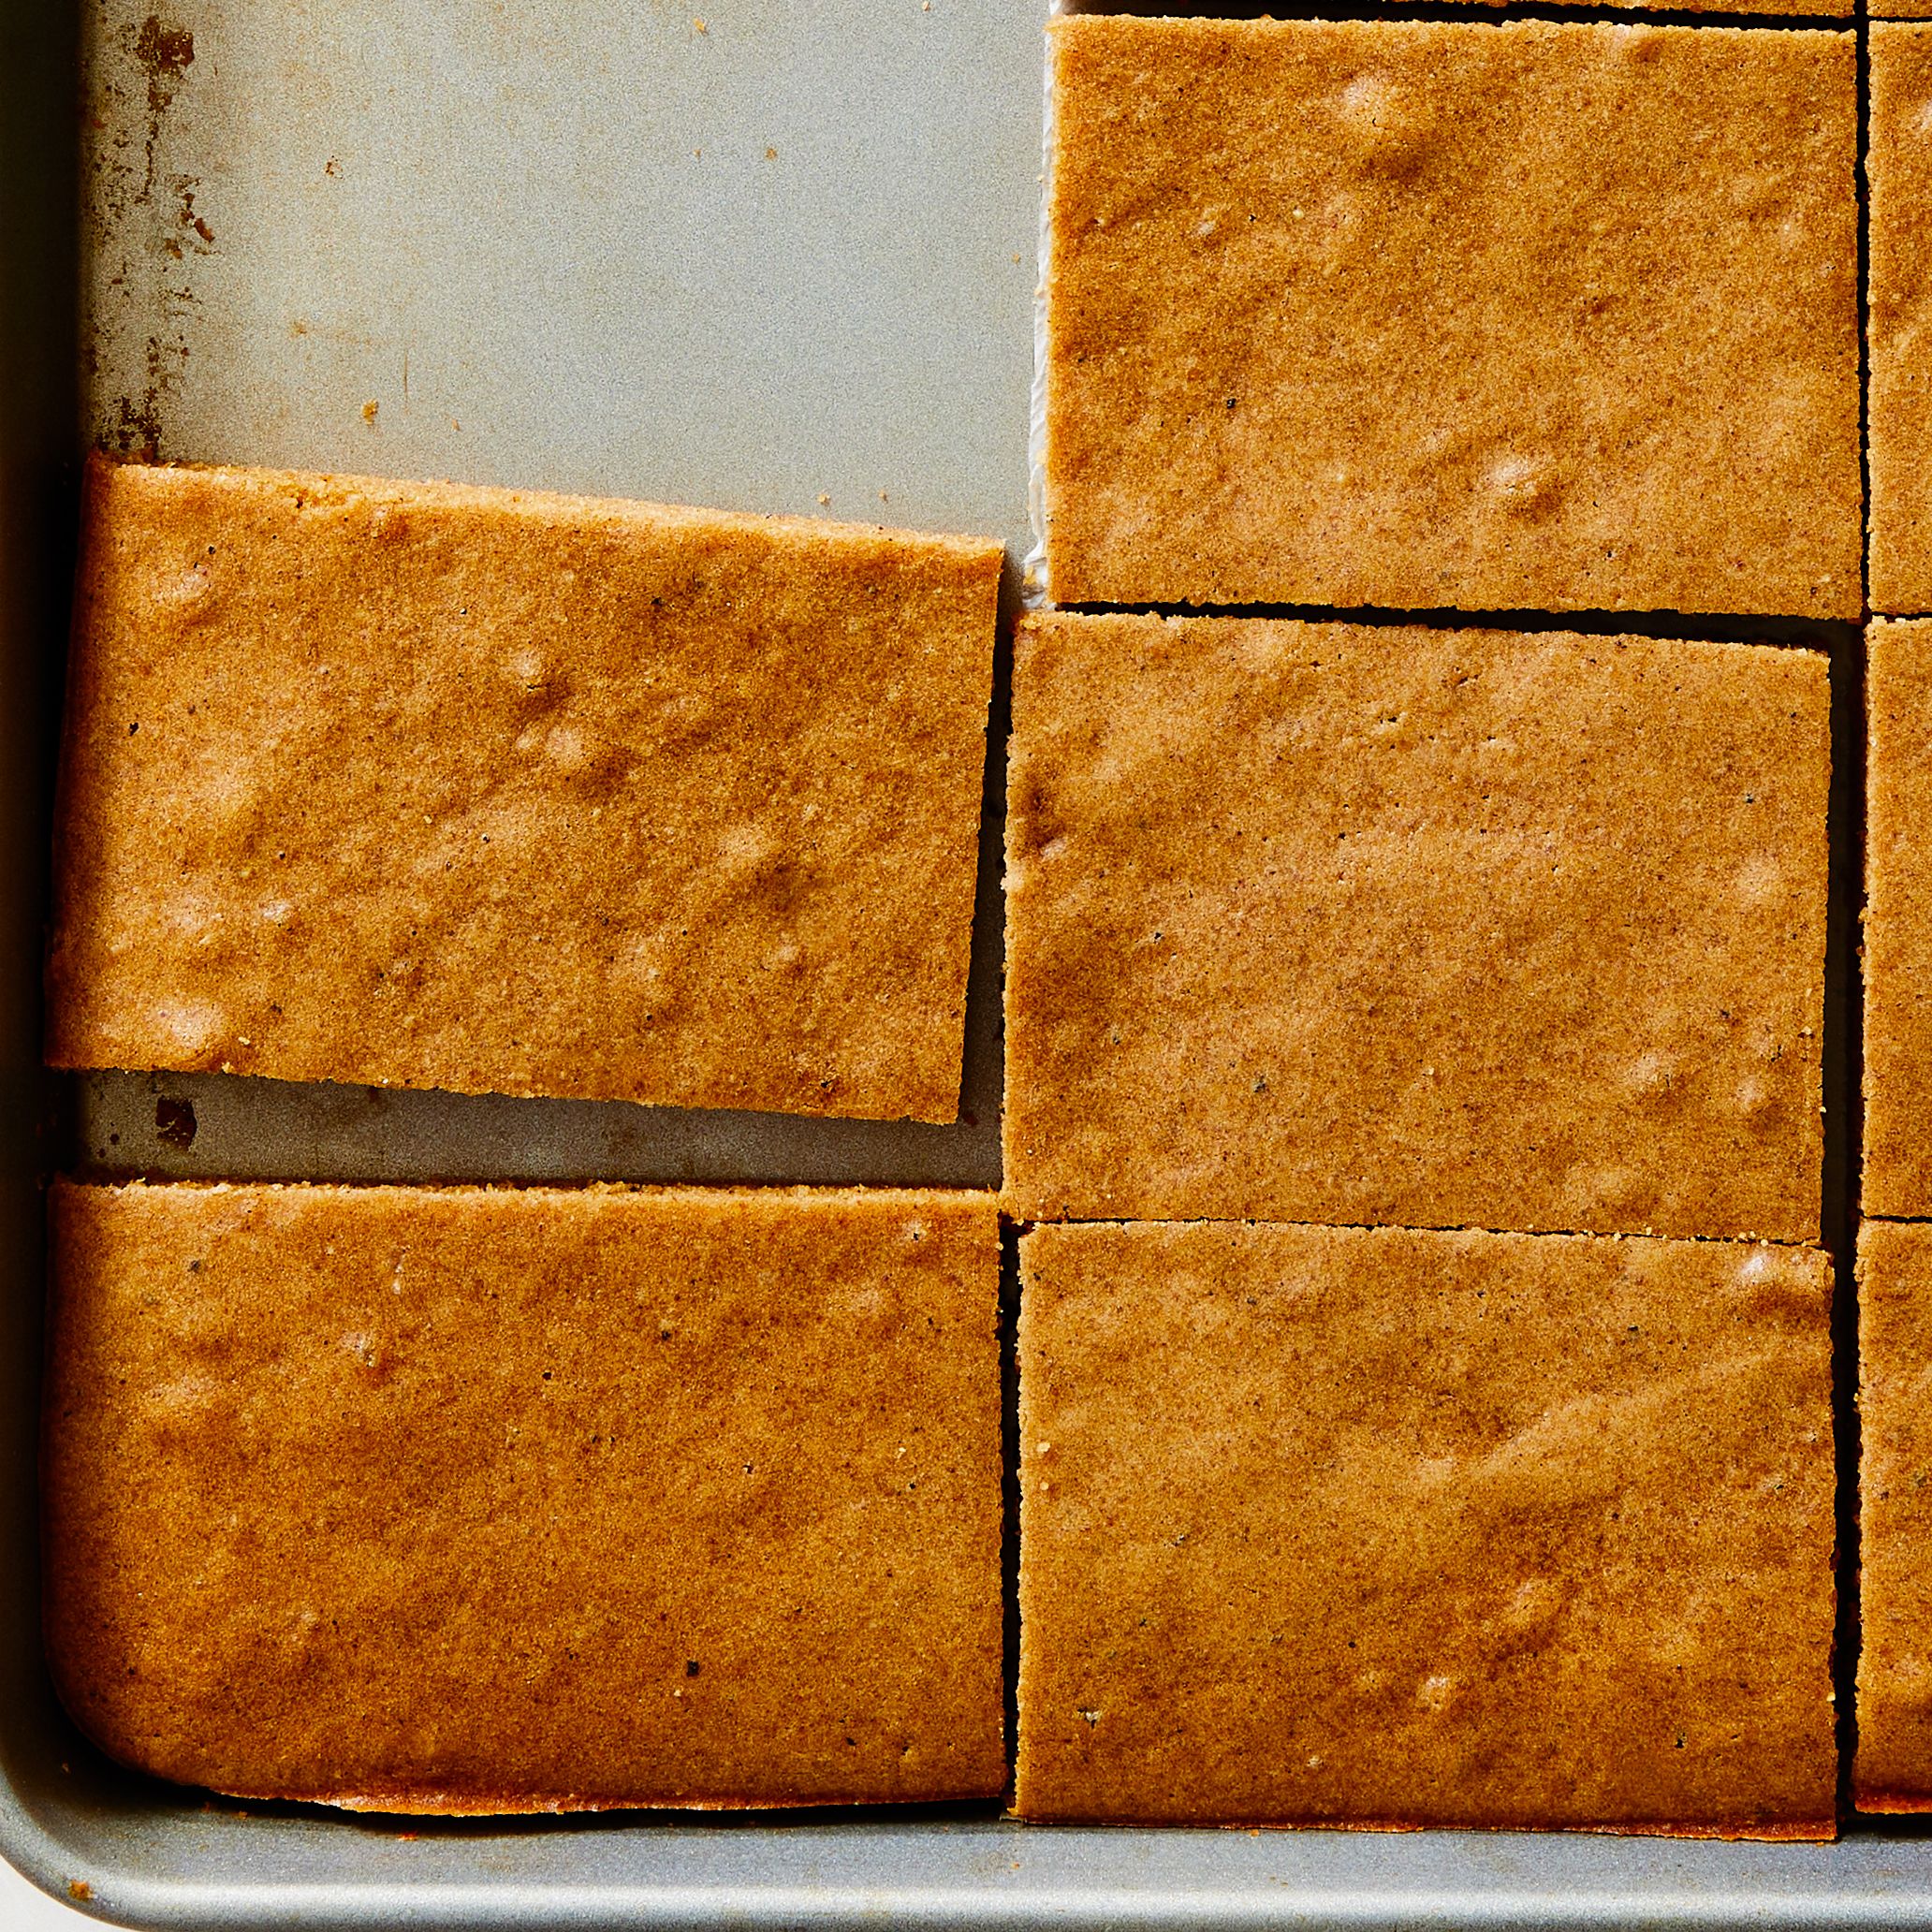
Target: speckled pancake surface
{"points": [[1345, 1526], [482, 1500], [1893, 1768], [1490, 315], [1900, 165], [1897, 927], [421, 785], [1415, 927]]}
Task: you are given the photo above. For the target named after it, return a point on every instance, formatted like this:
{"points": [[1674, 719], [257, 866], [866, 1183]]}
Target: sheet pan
{"points": [[763, 256]]}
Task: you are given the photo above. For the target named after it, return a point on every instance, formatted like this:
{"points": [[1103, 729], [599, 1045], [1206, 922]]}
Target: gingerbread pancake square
{"points": [[1370, 1527], [1831, 9], [471, 1501], [1483, 316], [1899, 164], [1415, 927], [421, 785], [1893, 1768], [1897, 1151]]}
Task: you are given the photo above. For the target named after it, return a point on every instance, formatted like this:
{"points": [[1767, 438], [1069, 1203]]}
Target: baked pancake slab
{"points": [[1897, 1150], [1483, 316], [1345, 1526], [1426, 927], [1893, 1768], [468, 1501], [1898, 162], [1838, 10], [432, 786]]}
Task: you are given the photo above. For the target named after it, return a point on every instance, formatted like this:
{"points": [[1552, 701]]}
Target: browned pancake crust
{"points": [[1490, 315], [483, 1500], [1898, 932], [1368, 1526], [1893, 1768], [1342, 923], [1900, 165], [430, 786]]}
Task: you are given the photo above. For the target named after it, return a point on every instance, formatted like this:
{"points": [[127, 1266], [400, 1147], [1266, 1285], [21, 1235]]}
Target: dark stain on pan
{"points": [[197, 237], [137, 430], [164, 54], [174, 1121], [167, 53]]}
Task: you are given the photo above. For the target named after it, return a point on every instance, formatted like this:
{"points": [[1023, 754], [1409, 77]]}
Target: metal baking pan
{"points": [[733, 252]]}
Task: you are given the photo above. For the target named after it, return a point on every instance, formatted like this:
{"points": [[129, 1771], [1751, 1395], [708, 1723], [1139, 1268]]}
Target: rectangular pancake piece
{"points": [[422, 785], [1825, 9], [474, 1500], [1833, 9], [1472, 315], [1418, 927], [1370, 1527], [1898, 162], [1897, 1150], [1893, 1768]]}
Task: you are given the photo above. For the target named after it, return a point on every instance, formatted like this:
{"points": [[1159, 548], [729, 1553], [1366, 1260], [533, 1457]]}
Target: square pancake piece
{"points": [[1413, 927], [1893, 1768], [1897, 1152], [424, 785], [1470, 315], [1370, 1527], [474, 1500], [1899, 164]]}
